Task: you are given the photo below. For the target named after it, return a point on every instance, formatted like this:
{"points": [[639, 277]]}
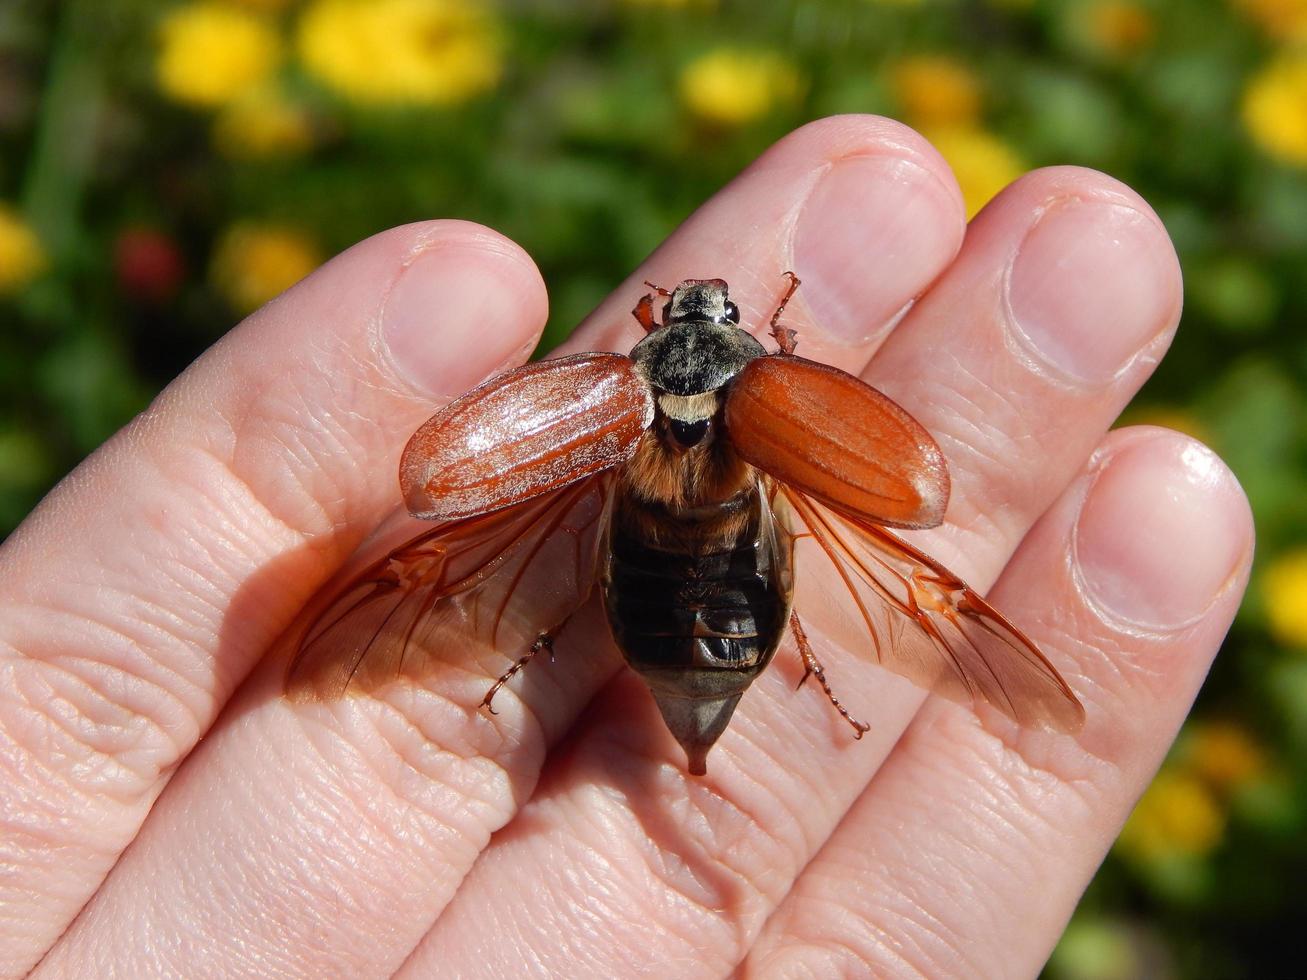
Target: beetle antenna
{"points": [[656, 288], [786, 338]]}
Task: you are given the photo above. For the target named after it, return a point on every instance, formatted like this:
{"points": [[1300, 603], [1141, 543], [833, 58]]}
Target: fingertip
{"points": [[464, 302], [435, 305], [871, 237], [1164, 533], [857, 134], [1037, 192]]}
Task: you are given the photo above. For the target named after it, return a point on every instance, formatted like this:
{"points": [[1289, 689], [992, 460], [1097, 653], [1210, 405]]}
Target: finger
{"points": [[970, 849], [862, 208], [397, 797], [143, 588], [1066, 296], [711, 858]]}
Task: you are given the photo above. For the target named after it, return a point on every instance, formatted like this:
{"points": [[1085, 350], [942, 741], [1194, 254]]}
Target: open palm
{"points": [[165, 811]]}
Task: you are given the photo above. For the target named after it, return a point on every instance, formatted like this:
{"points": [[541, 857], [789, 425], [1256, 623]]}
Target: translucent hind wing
{"points": [[925, 623], [498, 579]]}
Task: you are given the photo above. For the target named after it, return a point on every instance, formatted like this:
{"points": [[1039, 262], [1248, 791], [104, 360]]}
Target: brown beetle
{"points": [[679, 480]]}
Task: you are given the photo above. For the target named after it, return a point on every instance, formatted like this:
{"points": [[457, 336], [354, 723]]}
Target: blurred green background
{"points": [[167, 167]]}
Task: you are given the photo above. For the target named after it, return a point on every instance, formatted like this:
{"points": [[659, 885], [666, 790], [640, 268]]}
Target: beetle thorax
{"points": [[700, 346]]}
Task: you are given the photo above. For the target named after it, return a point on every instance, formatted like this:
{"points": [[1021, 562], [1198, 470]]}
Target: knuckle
{"points": [[99, 720]]}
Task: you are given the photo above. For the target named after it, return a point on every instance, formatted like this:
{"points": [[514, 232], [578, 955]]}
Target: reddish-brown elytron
{"points": [[680, 481]]}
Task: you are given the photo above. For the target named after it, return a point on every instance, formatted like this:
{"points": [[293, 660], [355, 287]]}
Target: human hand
{"points": [[354, 838]]}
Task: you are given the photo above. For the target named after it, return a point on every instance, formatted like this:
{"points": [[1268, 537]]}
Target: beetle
{"points": [[680, 482]]}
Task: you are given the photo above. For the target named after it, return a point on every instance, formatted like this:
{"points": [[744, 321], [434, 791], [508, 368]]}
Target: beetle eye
{"points": [[689, 433], [732, 312]]}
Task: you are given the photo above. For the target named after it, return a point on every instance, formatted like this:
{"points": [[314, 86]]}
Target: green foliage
{"points": [[589, 150]]}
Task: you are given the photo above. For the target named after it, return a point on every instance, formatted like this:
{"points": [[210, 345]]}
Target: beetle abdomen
{"points": [[675, 610], [699, 623]]}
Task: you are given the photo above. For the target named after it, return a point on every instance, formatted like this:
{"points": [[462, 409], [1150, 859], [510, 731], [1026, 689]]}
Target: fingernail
{"points": [[1091, 284], [453, 316], [873, 233], [1161, 532]]}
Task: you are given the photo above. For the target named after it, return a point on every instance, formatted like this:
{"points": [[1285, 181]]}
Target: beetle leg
{"points": [[812, 667], [644, 313], [545, 641], [644, 310], [785, 337]]}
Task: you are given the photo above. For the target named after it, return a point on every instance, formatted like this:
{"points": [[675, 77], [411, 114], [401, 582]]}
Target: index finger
{"points": [[140, 592]]}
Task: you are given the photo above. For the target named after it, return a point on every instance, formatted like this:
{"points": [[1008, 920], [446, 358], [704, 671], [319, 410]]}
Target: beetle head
{"points": [[698, 348], [700, 300]]}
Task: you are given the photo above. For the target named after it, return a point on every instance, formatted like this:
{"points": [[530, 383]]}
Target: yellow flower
{"points": [[1224, 754], [729, 87], [263, 124], [1178, 816], [1119, 27], [1275, 108], [1284, 20], [1284, 590], [934, 90], [981, 161], [22, 258], [211, 53], [428, 52], [253, 263]]}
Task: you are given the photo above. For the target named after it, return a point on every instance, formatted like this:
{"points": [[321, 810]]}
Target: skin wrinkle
{"points": [[663, 863], [442, 717], [365, 788], [923, 939], [981, 455], [595, 889], [721, 855], [241, 515], [923, 929], [794, 824], [225, 917], [670, 868], [698, 933], [291, 417], [320, 875], [717, 823], [304, 514], [478, 794], [1005, 795], [100, 737], [450, 790], [797, 839], [828, 959], [879, 945]]}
